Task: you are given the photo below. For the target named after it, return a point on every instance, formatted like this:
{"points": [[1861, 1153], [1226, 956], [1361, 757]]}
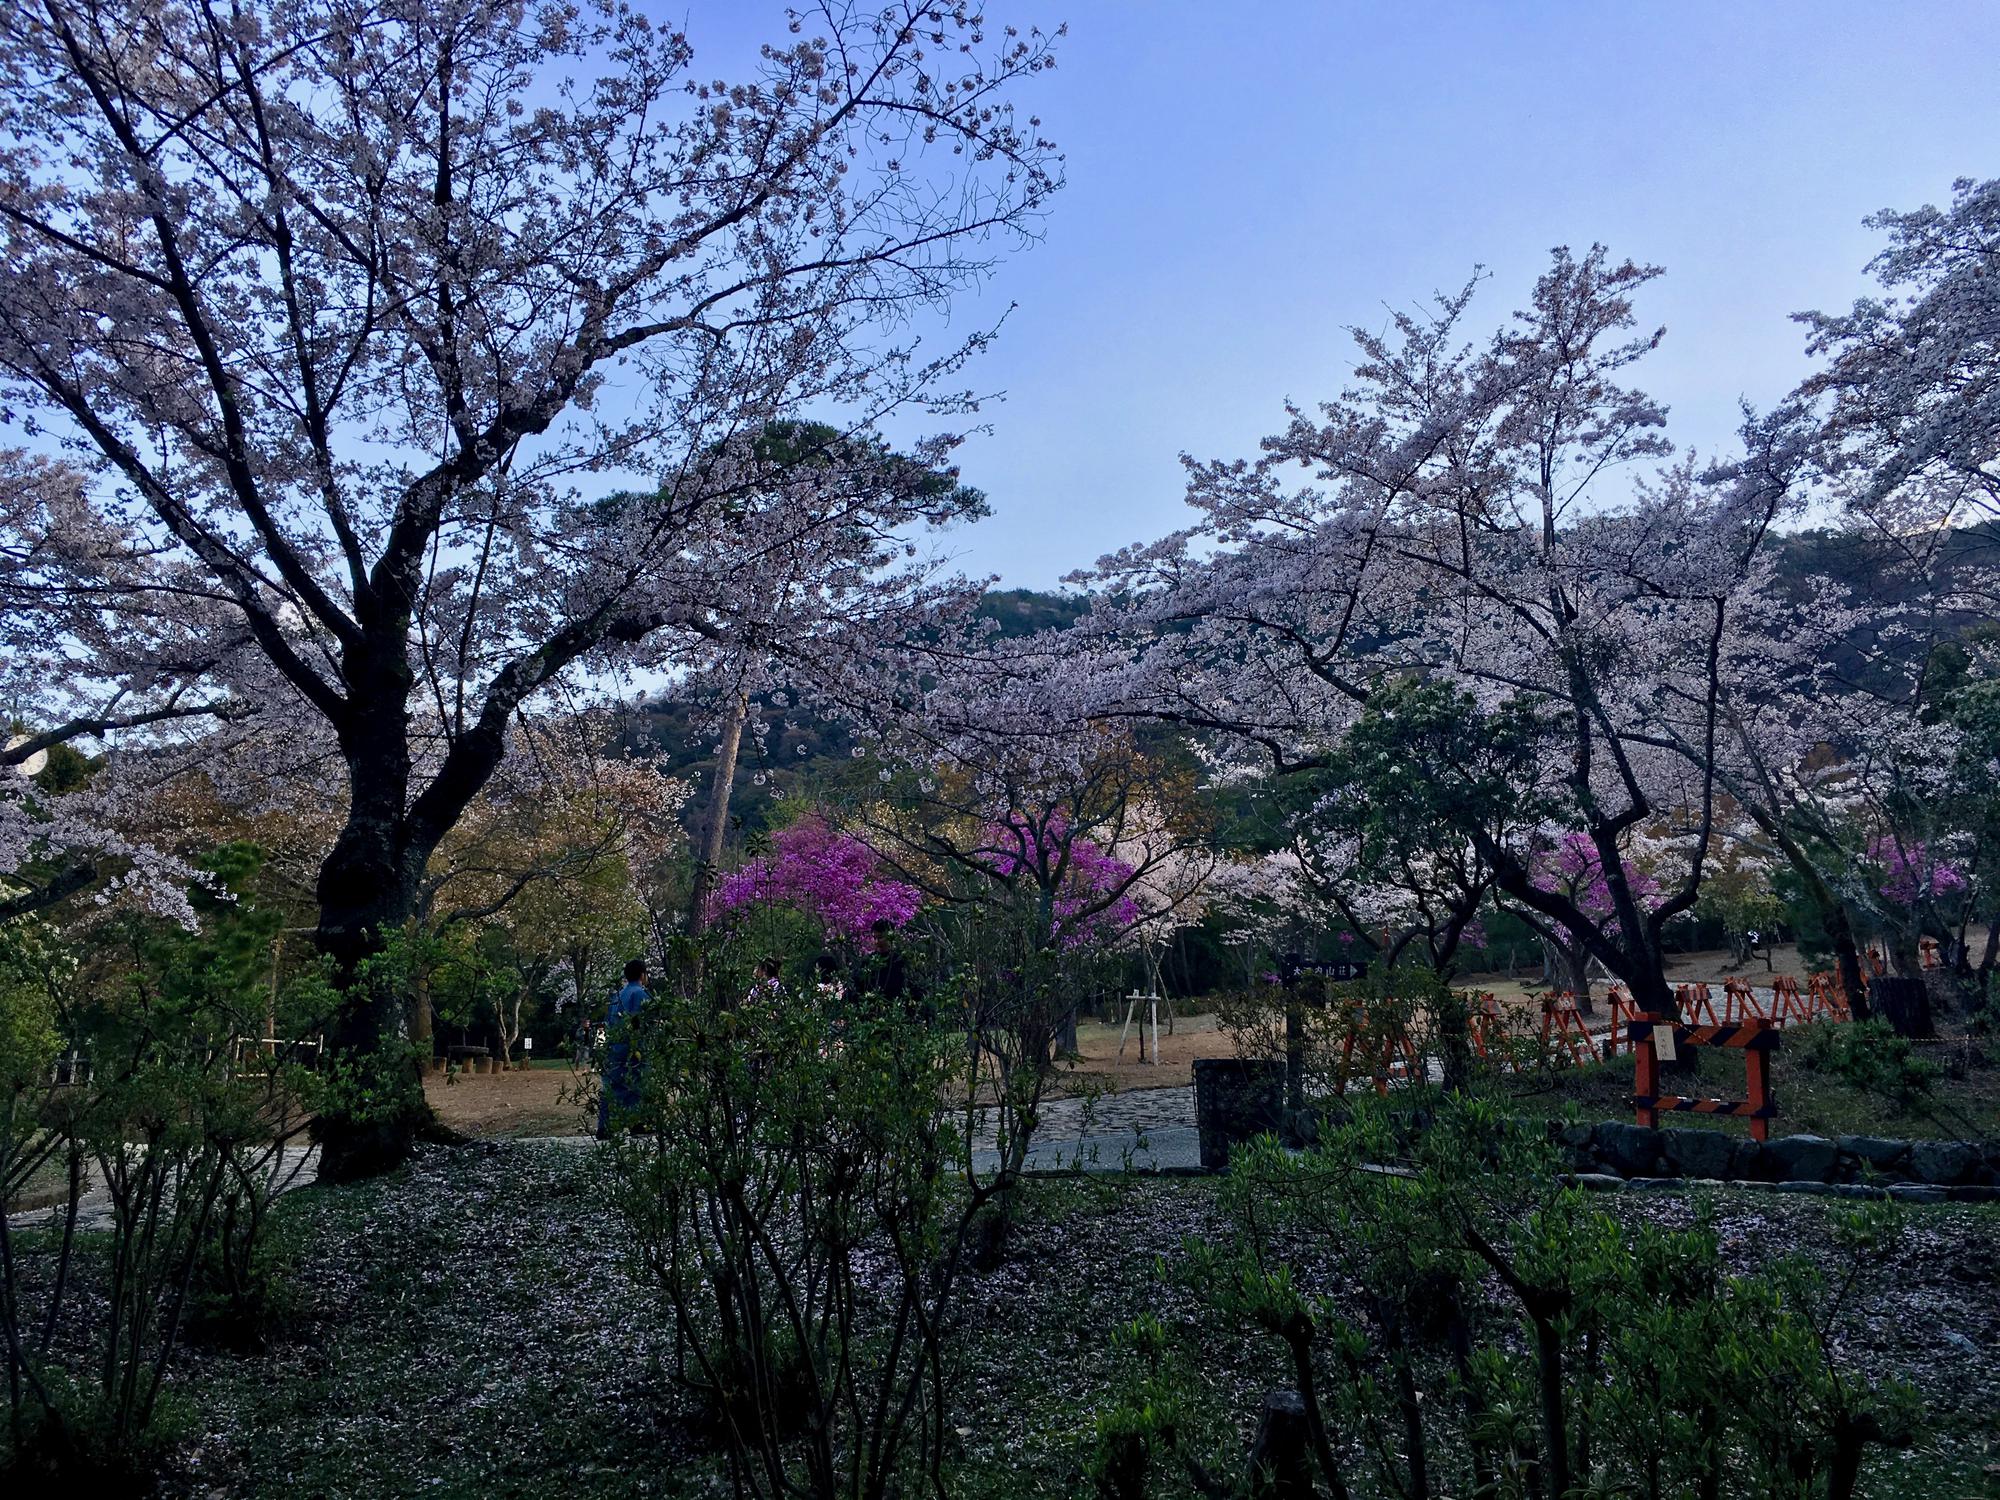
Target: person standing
{"points": [[620, 1088]]}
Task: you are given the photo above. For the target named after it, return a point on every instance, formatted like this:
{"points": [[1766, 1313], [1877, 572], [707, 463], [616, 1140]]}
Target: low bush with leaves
{"points": [[1869, 1058], [181, 1117], [1478, 1328], [788, 1183]]}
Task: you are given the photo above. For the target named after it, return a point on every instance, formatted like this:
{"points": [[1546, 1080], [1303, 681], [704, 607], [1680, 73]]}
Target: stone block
{"points": [[1629, 1150], [1598, 1182], [1879, 1152], [1698, 1153], [1236, 1100], [1943, 1162], [1803, 1158]]}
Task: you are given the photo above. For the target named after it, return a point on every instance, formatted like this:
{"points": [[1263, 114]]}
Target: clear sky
{"points": [[1247, 180]]}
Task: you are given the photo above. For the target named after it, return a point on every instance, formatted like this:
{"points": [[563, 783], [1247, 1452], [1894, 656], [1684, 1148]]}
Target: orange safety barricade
{"points": [[1757, 1039], [1562, 1027], [1828, 1000], [1927, 953], [1787, 1004], [1694, 1003], [1623, 1013], [1398, 1057], [1484, 1022], [1740, 1003]]}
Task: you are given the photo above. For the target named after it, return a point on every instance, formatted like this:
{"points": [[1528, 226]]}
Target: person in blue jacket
{"points": [[620, 1089]]}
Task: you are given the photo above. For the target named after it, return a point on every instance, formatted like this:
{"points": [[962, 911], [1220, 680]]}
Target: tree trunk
{"points": [[715, 822], [1905, 1003], [1847, 958], [367, 892], [1566, 968], [423, 1035]]}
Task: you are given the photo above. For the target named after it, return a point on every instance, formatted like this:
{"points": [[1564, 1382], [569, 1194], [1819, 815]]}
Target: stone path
{"points": [[295, 1169], [1136, 1129]]}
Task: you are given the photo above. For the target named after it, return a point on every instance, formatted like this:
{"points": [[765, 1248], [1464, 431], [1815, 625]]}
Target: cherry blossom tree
{"points": [[1455, 516], [1911, 380], [344, 311]]}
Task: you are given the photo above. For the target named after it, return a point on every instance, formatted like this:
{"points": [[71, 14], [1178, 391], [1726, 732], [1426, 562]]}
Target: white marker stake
{"points": [[1663, 1042]]}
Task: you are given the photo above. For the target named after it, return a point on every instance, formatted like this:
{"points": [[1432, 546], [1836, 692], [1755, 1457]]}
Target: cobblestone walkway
{"points": [[1136, 1129]]}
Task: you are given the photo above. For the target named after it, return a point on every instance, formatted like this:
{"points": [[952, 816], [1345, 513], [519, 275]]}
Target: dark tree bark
{"points": [[1905, 1004]]}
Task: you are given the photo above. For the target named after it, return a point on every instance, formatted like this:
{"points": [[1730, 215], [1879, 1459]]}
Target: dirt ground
{"points": [[1193, 1037], [543, 1100]]}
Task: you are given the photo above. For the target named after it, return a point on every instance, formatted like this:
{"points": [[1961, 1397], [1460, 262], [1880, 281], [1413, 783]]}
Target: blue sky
{"points": [[1247, 180]]}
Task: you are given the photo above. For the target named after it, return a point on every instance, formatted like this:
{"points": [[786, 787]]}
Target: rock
{"points": [[1973, 1194], [1750, 1158], [1629, 1150], [1954, 1337], [1698, 1153], [1575, 1137], [1911, 1192], [1281, 1455], [1598, 1182], [1811, 1188], [1879, 1152], [1942, 1162], [1803, 1158], [1655, 1184]]}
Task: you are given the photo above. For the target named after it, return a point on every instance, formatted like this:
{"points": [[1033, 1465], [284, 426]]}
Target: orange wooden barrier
{"points": [[1827, 999], [1398, 1057], [1488, 1028], [1740, 1003], [1757, 1039], [1694, 1003], [1563, 1028], [1623, 1013]]}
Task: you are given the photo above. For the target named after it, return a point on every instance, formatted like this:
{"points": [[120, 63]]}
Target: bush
{"points": [[1869, 1058], [182, 1124], [787, 1190], [1482, 1329]]}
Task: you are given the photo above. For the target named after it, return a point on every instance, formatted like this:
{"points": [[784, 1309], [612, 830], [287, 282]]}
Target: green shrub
{"points": [[786, 1184], [1483, 1329], [1868, 1057]]}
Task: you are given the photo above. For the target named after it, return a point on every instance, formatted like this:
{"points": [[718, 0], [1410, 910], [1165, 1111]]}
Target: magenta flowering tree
{"points": [[1911, 873], [832, 877], [1088, 890], [1574, 870]]}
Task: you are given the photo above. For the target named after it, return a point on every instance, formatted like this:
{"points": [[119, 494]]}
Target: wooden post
{"points": [[1646, 1070], [1757, 1076]]}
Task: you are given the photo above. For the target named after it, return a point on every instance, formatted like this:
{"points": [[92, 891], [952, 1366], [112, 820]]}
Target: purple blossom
{"points": [[1080, 912], [832, 877], [1911, 871], [1573, 869]]}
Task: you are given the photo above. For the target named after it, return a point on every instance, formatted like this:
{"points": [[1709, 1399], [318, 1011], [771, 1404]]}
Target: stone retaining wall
{"points": [[1613, 1148]]}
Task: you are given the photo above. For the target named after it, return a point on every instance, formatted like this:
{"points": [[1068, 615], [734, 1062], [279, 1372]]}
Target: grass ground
{"points": [[474, 1326]]}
